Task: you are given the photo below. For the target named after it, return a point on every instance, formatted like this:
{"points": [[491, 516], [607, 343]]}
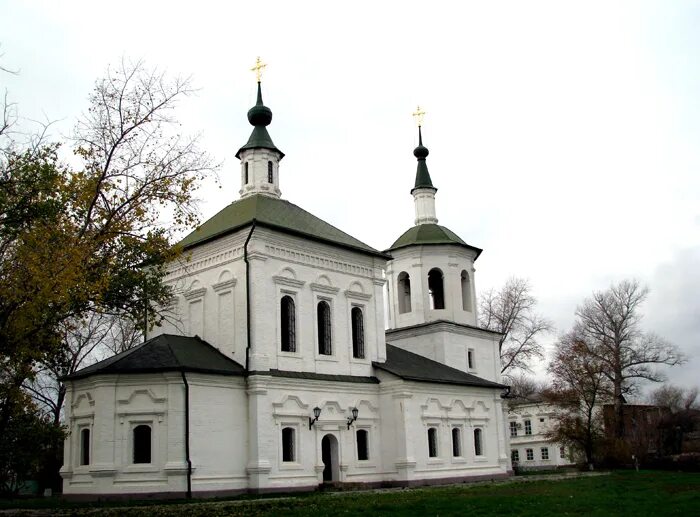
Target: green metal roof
{"points": [[259, 116], [429, 234], [277, 214]]}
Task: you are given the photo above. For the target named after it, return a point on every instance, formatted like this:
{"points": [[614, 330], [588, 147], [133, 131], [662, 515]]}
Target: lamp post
{"points": [[317, 413], [352, 418]]}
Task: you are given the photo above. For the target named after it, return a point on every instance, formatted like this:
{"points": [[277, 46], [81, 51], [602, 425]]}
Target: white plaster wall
{"points": [[417, 261], [418, 406], [535, 413], [449, 344], [257, 173], [282, 402]]}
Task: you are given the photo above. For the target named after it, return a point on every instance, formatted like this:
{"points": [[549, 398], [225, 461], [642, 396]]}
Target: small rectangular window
{"points": [[85, 447], [513, 429], [432, 443], [269, 172], [288, 452], [544, 452], [528, 427], [456, 442], [529, 454], [470, 359], [362, 444], [562, 452], [514, 455]]}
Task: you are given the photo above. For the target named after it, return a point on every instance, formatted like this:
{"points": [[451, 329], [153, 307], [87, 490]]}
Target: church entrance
{"points": [[329, 455]]}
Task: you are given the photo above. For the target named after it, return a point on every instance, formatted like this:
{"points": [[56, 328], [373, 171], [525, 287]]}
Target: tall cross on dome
{"points": [[258, 68], [418, 115]]}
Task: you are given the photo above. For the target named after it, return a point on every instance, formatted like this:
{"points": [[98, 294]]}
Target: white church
{"points": [[276, 371]]}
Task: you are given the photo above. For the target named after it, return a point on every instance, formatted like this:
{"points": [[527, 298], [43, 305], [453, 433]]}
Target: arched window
{"points": [[323, 317], [142, 444], [85, 447], [436, 289], [269, 172], [288, 324], [246, 173], [478, 449], [288, 452], [432, 443], [358, 333], [456, 442], [404, 292], [466, 292], [362, 444]]}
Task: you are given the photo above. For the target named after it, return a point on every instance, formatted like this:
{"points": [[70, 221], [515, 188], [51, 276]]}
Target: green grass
{"points": [[621, 493]]}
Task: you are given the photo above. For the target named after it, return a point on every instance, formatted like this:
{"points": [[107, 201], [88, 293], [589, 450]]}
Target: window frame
{"points": [[479, 448], [433, 442], [135, 426], [270, 172], [527, 424], [403, 293], [471, 359], [365, 432], [294, 445], [459, 443], [246, 175], [82, 449], [529, 454], [466, 291], [432, 296], [544, 451], [514, 456], [294, 348], [329, 304], [513, 426], [360, 345]]}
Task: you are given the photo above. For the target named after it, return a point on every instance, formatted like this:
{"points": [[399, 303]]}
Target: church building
{"points": [[275, 370]]}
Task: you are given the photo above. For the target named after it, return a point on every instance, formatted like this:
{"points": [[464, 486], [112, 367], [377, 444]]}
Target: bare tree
{"points": [[609, 325], [525, 387], [578, 388], [675, 398], [511, 311]]}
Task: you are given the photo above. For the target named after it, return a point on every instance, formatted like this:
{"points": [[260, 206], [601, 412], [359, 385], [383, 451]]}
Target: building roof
{"points": [[259, 117], [277, 214], [165, 353], [431, 234], [414, 367]]}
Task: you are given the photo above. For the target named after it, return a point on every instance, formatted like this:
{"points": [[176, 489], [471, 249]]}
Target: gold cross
{"points": [[258, 68], [418, 115]]}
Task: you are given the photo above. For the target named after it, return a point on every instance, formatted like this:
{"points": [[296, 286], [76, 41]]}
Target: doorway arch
{"points": [[329, 456]]}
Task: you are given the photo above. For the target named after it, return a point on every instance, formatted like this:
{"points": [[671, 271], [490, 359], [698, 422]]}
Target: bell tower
{"points": [[259, 157]]}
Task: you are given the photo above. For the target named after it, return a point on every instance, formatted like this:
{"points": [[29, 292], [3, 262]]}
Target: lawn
{"points": [[620, 493]]}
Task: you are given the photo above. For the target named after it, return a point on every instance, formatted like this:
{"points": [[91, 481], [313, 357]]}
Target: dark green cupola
{"points": [[422, 175], [260, 117]]}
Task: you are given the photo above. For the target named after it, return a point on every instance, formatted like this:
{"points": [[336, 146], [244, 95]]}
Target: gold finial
{"points": [[418, 115], [258, 68]]}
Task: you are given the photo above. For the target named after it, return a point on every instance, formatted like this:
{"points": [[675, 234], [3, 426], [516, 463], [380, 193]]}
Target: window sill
{"points": [[291, 355], [436, 461], [327, 358], [291, 465], [139, 469], [481, 459], [459, 459]]}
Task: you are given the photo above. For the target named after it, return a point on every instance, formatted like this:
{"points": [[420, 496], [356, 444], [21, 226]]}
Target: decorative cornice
{"points": [[358, 295], [289, 282], [195, 293], [324, 288], [227, 284], [318, 261]]}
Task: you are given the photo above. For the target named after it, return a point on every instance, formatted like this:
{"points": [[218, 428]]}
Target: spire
{"points": [[259, 117], [423, 191], [259, 156]]}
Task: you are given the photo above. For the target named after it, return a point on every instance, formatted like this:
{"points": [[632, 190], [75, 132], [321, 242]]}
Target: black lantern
{"points": [[352, 418], [317, 413]]}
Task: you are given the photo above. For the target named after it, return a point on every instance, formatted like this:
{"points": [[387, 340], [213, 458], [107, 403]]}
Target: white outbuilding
{"points": [[274, 370]]}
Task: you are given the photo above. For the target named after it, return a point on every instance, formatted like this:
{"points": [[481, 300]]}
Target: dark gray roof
{"points": [[277, 214], [165, 353], [414, 367], [318, 376]]}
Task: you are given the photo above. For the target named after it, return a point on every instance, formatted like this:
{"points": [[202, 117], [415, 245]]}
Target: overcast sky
{"points": [[564, 137]]}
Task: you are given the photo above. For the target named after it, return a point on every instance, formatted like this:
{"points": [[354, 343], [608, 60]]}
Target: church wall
{"points": [[209, 301], [450, 344], [417, 261], [283, 265], [426, 405], [288, 403], [112, 406], [218, 432]]}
